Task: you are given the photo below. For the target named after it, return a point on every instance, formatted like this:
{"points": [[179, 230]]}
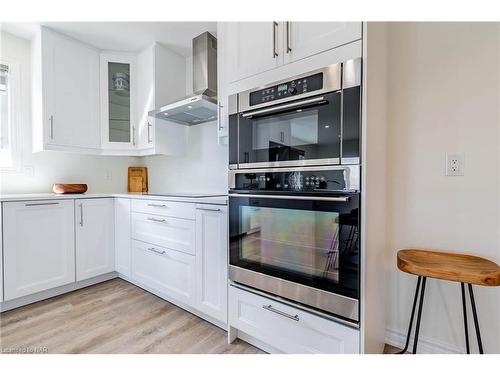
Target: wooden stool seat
{"points": [[465, 269], [449, 266]]}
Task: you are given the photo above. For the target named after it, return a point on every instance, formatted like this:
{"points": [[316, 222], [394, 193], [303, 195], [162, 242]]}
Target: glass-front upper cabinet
{"points": [[118, 101]]}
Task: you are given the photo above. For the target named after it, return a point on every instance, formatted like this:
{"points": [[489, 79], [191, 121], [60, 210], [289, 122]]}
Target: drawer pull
{"points": [[40, 204], [289, 316], [156, 220], [156, 205], [161, 252], [208, 209]]}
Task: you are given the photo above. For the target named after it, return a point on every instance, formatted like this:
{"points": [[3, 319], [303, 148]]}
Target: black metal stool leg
{"points": [[465, 318], [411, 317], [476, 322], [417, 328]]}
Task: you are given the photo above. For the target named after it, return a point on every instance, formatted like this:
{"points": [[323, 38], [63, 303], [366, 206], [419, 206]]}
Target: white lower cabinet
{"points": [[288, 329], [39, 247], [123, 255], [94, 220], [211, 261], [168, 272]]}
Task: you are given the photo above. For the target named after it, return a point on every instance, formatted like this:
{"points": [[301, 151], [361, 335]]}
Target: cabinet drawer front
{"points": [[288, 329], [170, 273], [169, 232], [165, 208]]}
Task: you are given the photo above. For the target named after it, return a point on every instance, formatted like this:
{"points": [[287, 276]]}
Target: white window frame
{"points": [[16, 117]]}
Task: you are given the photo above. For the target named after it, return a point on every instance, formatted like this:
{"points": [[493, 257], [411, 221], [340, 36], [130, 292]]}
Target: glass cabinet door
{"points": [[119, 102]]}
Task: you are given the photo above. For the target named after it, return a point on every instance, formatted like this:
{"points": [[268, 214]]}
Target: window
{"points": [[9, 90]]}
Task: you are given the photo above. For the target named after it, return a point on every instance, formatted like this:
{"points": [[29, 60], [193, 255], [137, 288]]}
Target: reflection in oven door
{"points": [[300, 241]]}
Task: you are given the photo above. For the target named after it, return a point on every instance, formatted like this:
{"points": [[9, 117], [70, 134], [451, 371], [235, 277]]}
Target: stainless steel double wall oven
{"points": [[294, 189]]}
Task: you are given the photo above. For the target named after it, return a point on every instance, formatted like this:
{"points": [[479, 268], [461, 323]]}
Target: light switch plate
{"points": [[454, 164]]}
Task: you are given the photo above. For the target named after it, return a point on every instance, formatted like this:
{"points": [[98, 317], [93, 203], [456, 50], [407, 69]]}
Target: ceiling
{"points": [[123, 36]]}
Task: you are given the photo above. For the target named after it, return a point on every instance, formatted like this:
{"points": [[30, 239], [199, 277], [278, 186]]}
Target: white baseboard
{"points": [[426, 345]]}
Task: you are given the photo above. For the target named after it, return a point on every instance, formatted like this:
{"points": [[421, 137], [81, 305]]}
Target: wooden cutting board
{"points": [[137, 180]]}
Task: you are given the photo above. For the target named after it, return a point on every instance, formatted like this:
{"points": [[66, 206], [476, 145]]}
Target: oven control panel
{"points": [[287, 89], [297, 181]]}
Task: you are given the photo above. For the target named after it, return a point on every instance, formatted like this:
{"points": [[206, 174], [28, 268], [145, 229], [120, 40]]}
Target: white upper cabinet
{"points": [[95, 249], [222, 114], [256, 47], [211, 261], [252, 48], [161, 79], [118, 80], [39, 247], [303, 39], [65, 93]]}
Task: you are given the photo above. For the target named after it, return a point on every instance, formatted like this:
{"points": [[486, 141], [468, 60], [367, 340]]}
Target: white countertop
{"points": [[206, 199]]}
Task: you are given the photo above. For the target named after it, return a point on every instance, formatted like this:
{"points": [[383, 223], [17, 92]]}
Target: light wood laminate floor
{"points": [[112, 317]]}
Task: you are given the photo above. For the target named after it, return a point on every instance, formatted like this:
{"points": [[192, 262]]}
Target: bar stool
{"points": [[465, 269]]}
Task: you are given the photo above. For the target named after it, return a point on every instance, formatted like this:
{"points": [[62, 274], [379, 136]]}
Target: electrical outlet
{"points": [[454, 164]]}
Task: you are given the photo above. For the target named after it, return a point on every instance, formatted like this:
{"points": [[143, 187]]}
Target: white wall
{"points": [[202, 169], [443, 96], [39, 171]]}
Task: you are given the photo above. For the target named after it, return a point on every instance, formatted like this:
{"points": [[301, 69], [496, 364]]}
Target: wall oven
{"points": [[294, 233], [310, 119]]}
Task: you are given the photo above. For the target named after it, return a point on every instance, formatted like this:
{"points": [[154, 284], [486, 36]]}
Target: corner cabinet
{"points": [[65, 86], [39, 247], [95, 253], [211, 260], [257, 47], [118, 101]]}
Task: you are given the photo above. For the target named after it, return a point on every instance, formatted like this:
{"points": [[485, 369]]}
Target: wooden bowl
{"points": [[69, 188]]}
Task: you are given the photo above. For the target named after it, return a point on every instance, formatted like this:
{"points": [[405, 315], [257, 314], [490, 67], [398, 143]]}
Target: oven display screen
{"points": [[282, 88]]}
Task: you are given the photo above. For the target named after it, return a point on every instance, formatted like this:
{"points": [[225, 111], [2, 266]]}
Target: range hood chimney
{"points": [[201, 106]]}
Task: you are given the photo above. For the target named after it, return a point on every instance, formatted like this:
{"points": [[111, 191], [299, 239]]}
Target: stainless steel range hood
{"points": [[201, 106]]}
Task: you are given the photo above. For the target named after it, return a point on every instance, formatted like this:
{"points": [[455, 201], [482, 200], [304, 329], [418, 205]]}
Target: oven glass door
{"points": [[292, 137], [310, 242]]}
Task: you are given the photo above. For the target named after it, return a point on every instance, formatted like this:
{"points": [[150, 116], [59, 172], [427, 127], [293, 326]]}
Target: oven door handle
{"points": [[317, 100], [293, 197]]}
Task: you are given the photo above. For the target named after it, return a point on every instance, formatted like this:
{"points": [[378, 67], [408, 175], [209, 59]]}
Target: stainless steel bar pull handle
{"points": [[286, 315], [162, 252], [292, 197], [133, 135], [157, 205], [41, 204], [275, 27], [208, 209], [288, 43], [149, 132], [316, 100], [219, 115], [156, 220], [81, 214], [51, 130]]}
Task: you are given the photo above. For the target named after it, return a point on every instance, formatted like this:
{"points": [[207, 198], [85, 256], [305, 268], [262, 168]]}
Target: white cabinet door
{"points": [[167, 272], [70, 80], [39, 248], [222, 114], [122, 236], [118, 82], [95, 249], [304, 39], [211, 261], [252, 48]]}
